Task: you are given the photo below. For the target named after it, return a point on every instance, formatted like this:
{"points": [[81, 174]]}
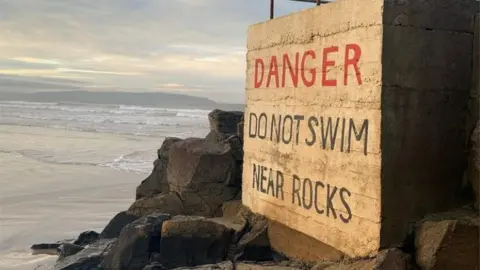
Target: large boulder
{"points": [[203, 175], [191, 241], [298, 246], [157, 182], [116, 224], [448, 240], [224, 121], [136, 243], [160, 203], [89, 258]]}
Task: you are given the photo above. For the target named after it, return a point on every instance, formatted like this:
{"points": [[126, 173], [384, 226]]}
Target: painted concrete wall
{"points": [[354, 118]]}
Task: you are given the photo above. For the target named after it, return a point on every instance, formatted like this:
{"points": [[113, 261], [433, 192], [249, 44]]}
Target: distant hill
{"points": [[149, 99]]}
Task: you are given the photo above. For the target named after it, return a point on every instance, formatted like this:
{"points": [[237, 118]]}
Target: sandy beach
{"points": [[43, 201]]}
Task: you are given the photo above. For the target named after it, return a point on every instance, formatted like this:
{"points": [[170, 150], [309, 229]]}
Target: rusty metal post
{"points": [[272, 5]]}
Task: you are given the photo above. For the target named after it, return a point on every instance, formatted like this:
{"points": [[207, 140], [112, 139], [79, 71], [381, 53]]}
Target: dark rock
{"points": [[68, 249], [268, 266], [86, 238], [136, 243], [393, 259], [253, 243], [164, 150], [229, 138], [240, 129], [224, 121], [160, 203], [157, 182], [89, 258], [236, 145], [155, 266], [191, 241], [448, 240], [46, 248], [219, 266], [233, 208], [215, 137], [203, 174], [115, 226]]}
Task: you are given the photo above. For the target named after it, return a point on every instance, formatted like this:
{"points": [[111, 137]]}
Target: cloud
{"points": [[133, 45]]}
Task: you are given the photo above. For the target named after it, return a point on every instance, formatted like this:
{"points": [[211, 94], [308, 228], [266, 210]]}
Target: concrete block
{"points": [[355, 119], [433, 15]]}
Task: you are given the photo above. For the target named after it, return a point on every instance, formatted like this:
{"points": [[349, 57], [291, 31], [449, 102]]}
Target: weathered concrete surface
{"points": [[423, 116], [348, 116], [448, 240], [309, 155], [473, 123], [298, 246]]}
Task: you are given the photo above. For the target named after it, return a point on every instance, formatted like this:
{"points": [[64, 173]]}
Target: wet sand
{"points": [[45, 202]]}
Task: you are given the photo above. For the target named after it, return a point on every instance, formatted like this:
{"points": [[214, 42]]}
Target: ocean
{"points": [[69, 167]]}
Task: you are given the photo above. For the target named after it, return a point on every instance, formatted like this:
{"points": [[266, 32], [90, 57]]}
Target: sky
{"points": [[194, 47]]}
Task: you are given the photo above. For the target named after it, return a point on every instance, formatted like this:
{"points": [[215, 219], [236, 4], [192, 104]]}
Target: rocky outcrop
{"points": [[68, 249], [188, 215], [89, 258], [65, 247], [448, 240], [86, 238], [202, 174], [157, 182], [46, 248], [190, 241], [116, 224], [136, 243], [160, 203]]}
